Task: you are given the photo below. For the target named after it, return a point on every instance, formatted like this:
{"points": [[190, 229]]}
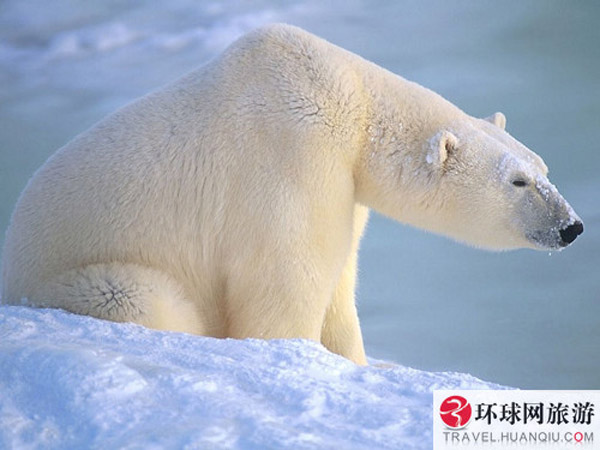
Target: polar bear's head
{"points": [[472, 181]]}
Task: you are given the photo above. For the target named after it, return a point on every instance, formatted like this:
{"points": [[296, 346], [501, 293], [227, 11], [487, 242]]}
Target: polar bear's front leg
{"points": [[122, 293], [341, 329], [274, 306]]}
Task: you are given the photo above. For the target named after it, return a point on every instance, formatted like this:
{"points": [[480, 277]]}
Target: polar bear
{"points": [[231, 202]]}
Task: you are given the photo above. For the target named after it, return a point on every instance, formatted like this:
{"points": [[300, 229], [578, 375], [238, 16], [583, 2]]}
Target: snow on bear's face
{"points": [[493, 192]]}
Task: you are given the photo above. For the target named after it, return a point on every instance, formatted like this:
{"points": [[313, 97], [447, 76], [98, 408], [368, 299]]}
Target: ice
{"points": [[102, 52], [97, 40], [69, 381]]}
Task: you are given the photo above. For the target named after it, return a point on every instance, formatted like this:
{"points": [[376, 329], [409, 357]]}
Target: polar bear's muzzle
{"points": [[570, 233], [555, 238], [552, 223]]}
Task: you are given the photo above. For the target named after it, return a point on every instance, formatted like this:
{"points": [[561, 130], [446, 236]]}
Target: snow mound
{"points": [[69, 381]]}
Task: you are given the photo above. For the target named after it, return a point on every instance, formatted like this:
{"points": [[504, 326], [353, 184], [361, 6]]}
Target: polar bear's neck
{"points": [[402, 112]]}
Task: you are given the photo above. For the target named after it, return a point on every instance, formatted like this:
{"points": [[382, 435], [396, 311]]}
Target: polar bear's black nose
{"points": [[570, 233]]}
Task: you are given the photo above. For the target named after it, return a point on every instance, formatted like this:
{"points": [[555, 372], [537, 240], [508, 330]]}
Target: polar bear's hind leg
{"points": [[122, 293]]}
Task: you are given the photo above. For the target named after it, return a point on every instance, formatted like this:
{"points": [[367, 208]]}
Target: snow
{"points": [[70, 381]]}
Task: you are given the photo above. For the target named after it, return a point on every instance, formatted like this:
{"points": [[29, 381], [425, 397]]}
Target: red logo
{"points": [[456, 411]]}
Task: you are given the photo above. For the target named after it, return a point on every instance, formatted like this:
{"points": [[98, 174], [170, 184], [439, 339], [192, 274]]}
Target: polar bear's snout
{"points": [[559, 231], [570, 233]]}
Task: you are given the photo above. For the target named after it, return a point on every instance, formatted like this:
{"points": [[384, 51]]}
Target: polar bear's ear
{"points": [[440, 146], [497, 119]]}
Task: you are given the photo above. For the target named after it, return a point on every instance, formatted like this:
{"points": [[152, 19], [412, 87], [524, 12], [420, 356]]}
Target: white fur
{"points": [[232, 202]]}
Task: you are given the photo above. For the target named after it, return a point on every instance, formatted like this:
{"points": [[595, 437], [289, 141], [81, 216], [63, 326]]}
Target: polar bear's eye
{"points": [[520, 183]]}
